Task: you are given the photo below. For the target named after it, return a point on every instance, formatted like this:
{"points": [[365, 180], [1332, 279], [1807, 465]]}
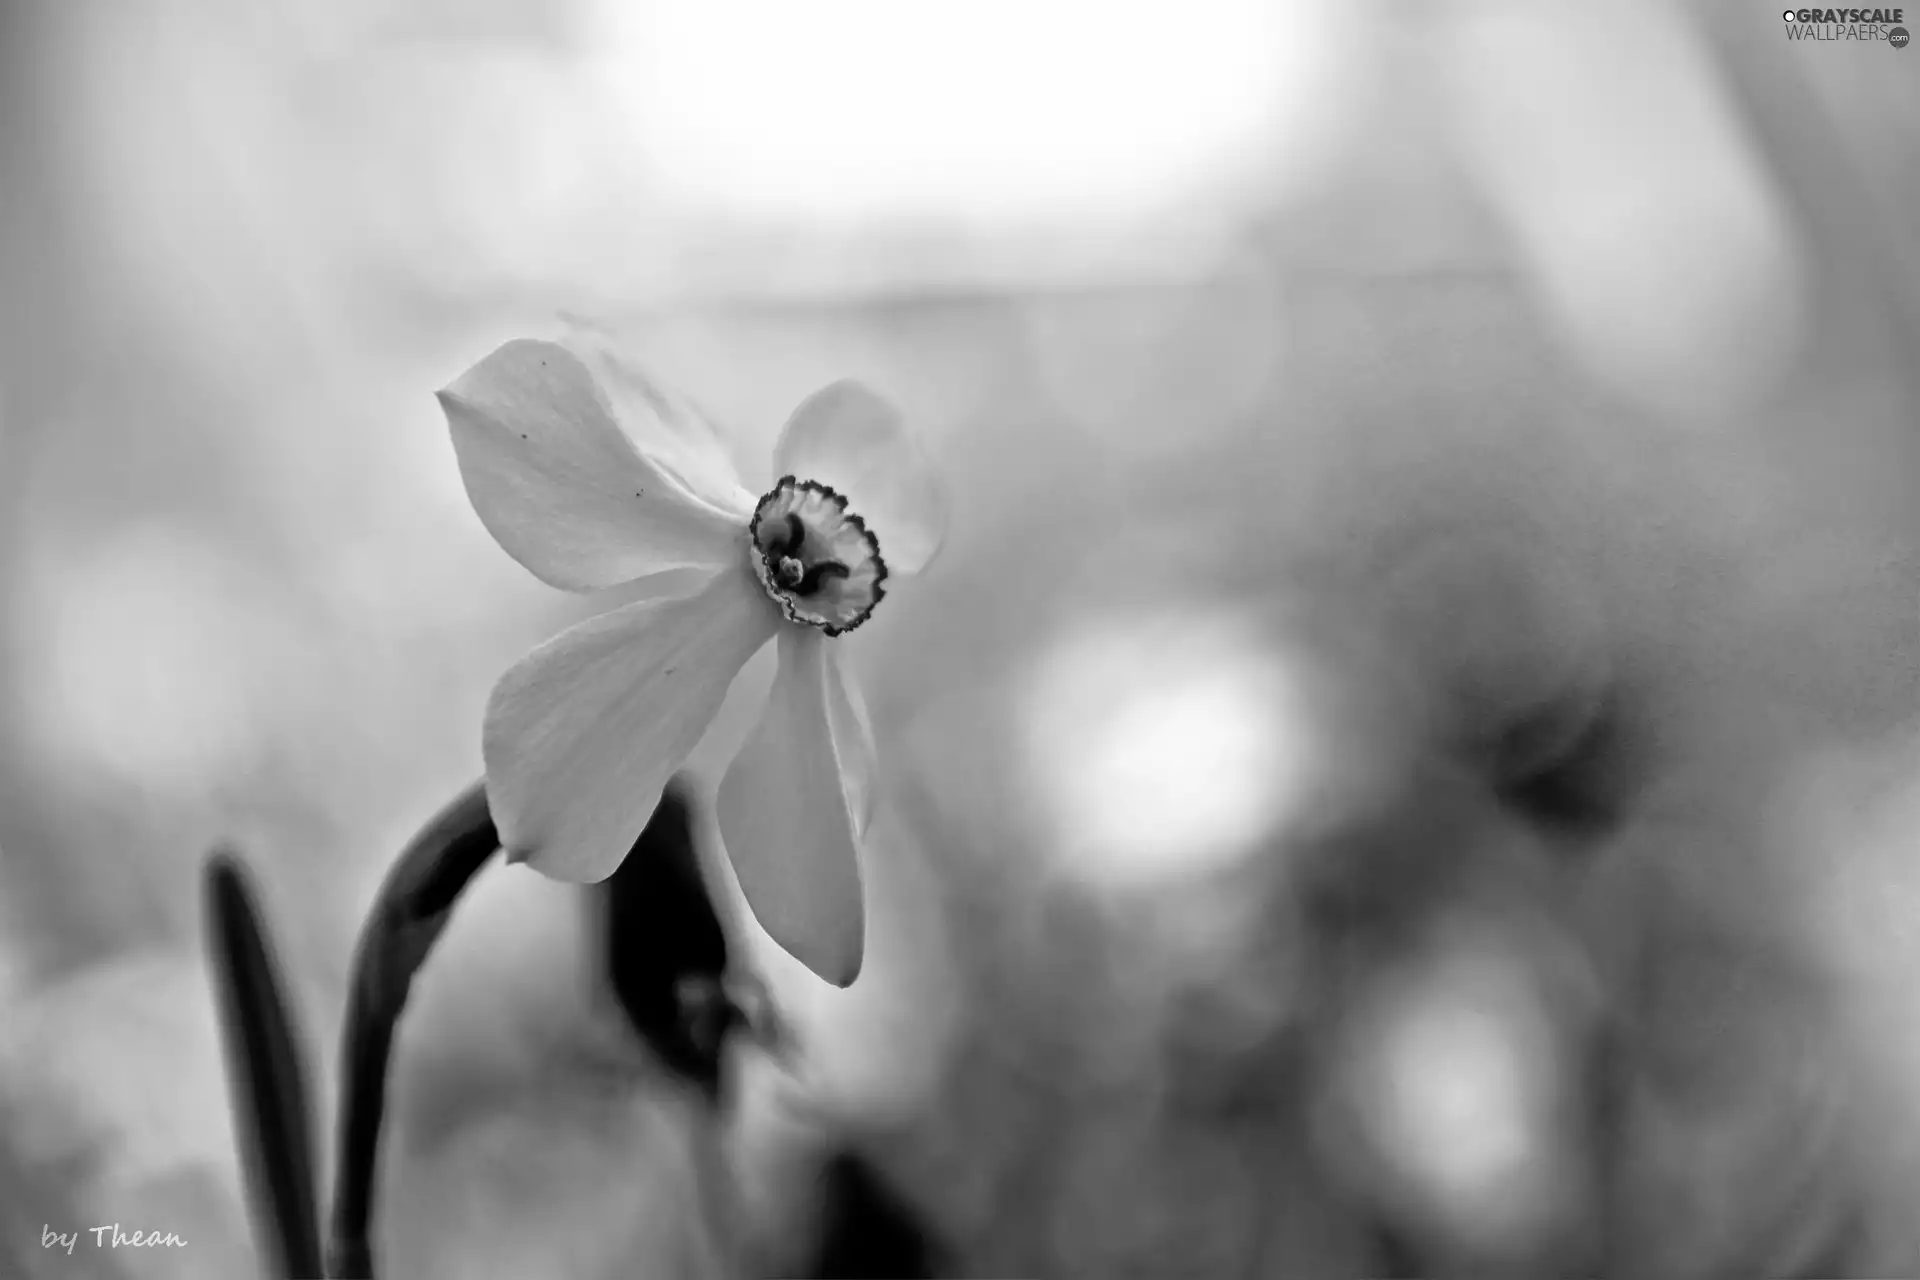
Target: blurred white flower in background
{"points": [[1167, 745], [1454, 1095], [591, 476]]}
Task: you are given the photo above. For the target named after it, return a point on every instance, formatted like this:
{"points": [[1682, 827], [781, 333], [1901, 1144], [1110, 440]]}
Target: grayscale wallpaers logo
{"points": [[1847, 24]]}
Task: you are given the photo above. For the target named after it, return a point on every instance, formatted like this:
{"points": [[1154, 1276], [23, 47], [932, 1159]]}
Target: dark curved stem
{"points": [[665, 958], [868, 1228], [413, 907], [272, 1117]]}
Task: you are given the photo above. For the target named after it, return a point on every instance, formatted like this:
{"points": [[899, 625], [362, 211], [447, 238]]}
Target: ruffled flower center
{"points": [[816, 559]]}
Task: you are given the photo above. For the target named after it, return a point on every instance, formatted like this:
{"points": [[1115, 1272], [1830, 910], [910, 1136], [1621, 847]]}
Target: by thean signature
{"points": [[110, 1236]]}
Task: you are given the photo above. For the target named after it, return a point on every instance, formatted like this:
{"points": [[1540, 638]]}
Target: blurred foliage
{"points": [[1480, 544]]}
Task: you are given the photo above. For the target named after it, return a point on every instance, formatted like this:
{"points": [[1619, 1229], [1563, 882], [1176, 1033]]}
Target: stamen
{"points": [[791, 574], [819, 573]]}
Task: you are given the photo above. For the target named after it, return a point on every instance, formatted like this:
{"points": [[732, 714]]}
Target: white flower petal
{"points": [[849, 438], [852, 735], [582, 733], [670, 429], [563, 488], [789, 823]]}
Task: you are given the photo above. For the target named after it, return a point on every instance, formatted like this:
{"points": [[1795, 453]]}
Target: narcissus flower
{"points": [[593, 476]]}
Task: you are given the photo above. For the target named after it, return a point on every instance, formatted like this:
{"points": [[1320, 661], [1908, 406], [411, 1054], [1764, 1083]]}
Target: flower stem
{"points": [[666, 961], [412, 908]]}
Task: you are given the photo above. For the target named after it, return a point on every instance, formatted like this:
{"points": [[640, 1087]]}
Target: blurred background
{"points": [[1406, 766]]}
